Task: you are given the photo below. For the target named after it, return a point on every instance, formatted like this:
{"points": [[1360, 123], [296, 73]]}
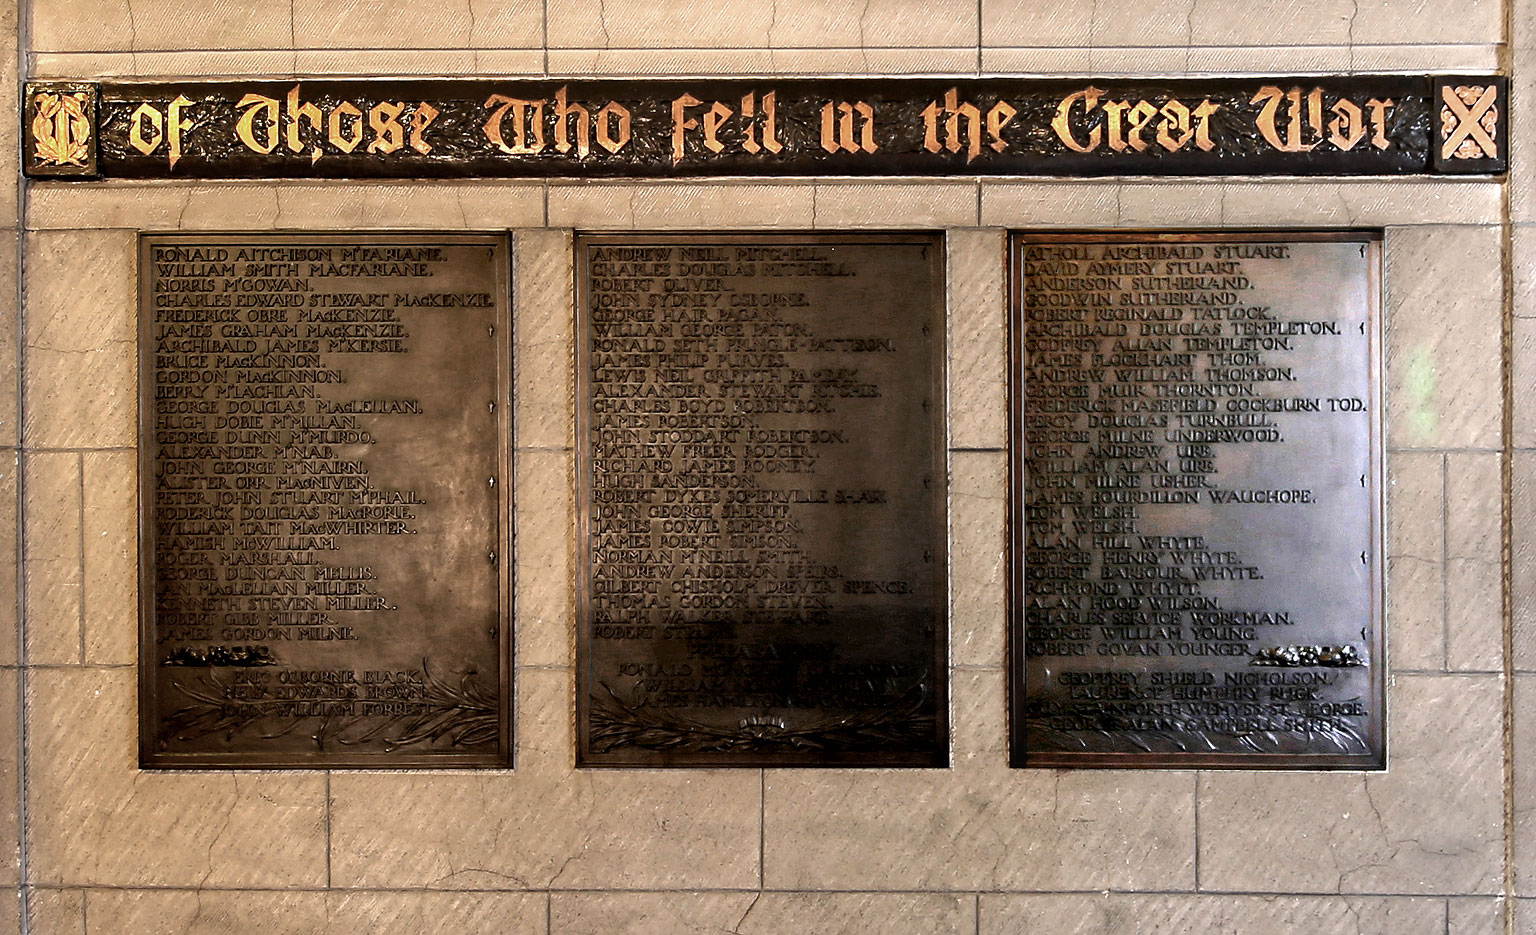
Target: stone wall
{"points": [[1437, 844]]}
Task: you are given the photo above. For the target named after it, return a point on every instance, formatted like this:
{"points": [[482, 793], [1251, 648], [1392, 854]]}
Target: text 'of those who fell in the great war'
{"points": [[1288, 120]]}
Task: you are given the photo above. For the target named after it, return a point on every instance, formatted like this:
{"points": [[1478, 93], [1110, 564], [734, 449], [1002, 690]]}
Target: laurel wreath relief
{"points": [[61, 129]]}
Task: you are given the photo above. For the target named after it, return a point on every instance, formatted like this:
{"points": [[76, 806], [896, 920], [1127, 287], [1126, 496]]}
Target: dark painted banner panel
{"points": [[713, 127]]}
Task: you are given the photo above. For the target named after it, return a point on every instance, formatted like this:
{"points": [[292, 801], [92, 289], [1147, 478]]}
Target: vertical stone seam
{"points": [[1445, 563], [762, 826], [1198, 783], [328, 830], [23, 40], [979, 40], [1506, 499], [80, 545]]}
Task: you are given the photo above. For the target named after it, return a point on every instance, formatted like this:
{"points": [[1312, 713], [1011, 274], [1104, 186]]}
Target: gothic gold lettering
{"points": [[384, 120], [770, 124], [1126, 123], [1378, 111], [682, 123], [838, 131], [953, 111], [1062, 122], [527, 124], [258, 105], [146, 115], [344, 116], [1301, 128], [714, 118], [563, 112], [421, 119], [616, 115], [308, 113], [1347, 126]]}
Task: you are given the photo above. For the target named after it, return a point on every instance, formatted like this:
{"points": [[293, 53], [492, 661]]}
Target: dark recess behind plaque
{"points": [[731, 611], [1155, 620], [324, 524]]}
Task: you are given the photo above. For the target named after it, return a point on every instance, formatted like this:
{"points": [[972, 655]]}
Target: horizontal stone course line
{"points": [[765, 891], [1396, 671], [395, 50], [551, 667], [995, 187], [46, 449], [831, 180], [1284, 45], [750, 228], [70, 666]]}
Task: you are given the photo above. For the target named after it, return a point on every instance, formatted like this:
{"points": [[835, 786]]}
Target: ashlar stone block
{"points": [[1433, 823], [96, 819]]}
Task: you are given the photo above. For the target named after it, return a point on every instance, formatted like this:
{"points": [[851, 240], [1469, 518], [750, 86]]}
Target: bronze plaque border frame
{"points": [[939, 310], [500, 243], [1019, 756]]}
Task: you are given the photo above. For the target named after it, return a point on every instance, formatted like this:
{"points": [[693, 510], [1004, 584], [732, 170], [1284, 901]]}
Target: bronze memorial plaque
{"points": [[324, 507], [762, 495], [1196, 502]]}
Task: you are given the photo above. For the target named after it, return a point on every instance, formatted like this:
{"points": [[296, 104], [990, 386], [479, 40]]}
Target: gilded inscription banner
{"points": [[552, 127]]}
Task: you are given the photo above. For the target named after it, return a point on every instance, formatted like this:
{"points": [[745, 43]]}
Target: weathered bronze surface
{"points": [[762, 489], [661, 128], [1196, 508], [324, 506]]}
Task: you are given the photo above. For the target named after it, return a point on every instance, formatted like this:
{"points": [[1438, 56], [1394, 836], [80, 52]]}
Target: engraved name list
{"points": [[762, 491], [1196, 501], [320, 465]]}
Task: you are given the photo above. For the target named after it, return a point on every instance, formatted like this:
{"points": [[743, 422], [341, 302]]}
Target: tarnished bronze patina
{"points": [[762, 491], [324, 507], [1196, 500]]}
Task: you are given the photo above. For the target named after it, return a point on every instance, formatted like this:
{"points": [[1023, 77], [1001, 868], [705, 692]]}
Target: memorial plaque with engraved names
{"points": [[1196, 502], [324, 506], [762, 494]]}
